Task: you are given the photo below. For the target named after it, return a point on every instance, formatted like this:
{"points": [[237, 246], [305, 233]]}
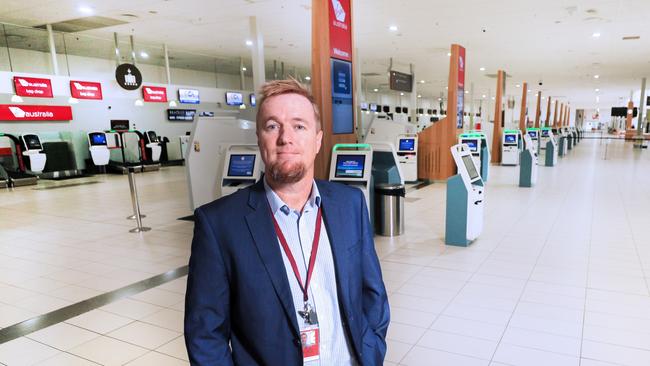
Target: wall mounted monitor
{"points": [[342, 101], [380, 108], [386, 109], [406, 144], [181, 114], [405, 109], [241, 165], [350, 166], [32, 142], [470, 167], [373, 107], [435, 111], [401, 82], [253, 100], [188, 96], [233, 98], [364, 106], [98, 139], [120, 124], [398, 109], [420, 110], [510, 139], [473, 146], [429, 111]]}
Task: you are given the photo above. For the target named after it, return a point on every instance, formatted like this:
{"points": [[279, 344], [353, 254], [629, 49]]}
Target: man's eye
{"points": [[272, 126], [300, 127]]}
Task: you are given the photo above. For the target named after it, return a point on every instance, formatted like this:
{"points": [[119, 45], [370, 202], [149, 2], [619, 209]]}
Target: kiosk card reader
{"points": [[528, 164], [33, 153], [465, 196], [242, 168], [510, 147], [407, 153], [351, 164], [99, 152], [549, 145]]}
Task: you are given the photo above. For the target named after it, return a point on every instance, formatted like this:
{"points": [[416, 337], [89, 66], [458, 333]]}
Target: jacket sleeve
{"points": [[375, 299], [207, 300]]}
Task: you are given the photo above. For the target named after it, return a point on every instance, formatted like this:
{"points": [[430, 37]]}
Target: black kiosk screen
{"points": [[32, 142]]}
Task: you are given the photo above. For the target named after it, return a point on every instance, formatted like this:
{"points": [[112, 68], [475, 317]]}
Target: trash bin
{"points": [[389, 209]]}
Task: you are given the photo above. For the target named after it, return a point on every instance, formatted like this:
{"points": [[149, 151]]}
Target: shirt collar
{"points": [[276, 203]]}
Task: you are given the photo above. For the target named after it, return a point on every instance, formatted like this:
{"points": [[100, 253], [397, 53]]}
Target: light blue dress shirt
{"points": [[298, 229]]}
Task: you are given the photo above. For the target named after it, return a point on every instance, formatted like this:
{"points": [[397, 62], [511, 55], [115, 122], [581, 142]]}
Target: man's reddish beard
{"points": [[287, 172]]}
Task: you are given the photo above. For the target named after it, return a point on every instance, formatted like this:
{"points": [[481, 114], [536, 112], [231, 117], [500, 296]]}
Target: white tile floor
{"points": [[558, 277]]}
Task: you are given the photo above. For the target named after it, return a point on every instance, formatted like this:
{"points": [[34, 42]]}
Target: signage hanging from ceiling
{"points": [[340, 29], [154, 94], [33, 87], [86, 90], [401, 82], [461, 87], [128, 76], [12, 112]]}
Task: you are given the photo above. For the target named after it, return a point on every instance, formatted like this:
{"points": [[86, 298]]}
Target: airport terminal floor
{"points": [[558, 276]]}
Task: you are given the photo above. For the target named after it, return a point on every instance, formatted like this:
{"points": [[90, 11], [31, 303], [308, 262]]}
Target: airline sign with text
{"points": [[33, 87], [86, 90], [340, 29], [154, 93], [11, 112]]}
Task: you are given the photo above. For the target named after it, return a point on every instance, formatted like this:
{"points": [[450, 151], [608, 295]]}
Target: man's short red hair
{"points": [[287, 86]]}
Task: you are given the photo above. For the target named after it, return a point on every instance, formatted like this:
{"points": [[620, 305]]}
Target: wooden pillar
{"points": [[561, 115], [555, 116], [522, 114], [498, 119], [538, 111], [435, 161], [568, 116], [548, 112], [629, 116], [321, 79]]}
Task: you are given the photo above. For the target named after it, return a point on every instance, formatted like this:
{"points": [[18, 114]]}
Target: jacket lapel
{"points": [[261, 228]]}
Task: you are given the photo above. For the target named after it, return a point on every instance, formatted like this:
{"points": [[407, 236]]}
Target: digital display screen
{"points": [[234, 98], [342, 106], [398, 109], [152, 136], [544, 133], [120, 124], [364, 106], [373, 107], [181, 114], [406, 144], [241, 165], [471, 168], [473, 146], [253, 100], [350, 166], [189, 96], [510, 139], [98, 139], [32, 142], [532, 134]]}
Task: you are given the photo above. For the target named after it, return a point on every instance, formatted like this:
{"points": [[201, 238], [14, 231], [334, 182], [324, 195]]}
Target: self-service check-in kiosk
{"points": [[33, 153], [477, 143], [528, 163], [242, 168], [351, 164], [561, 141], [465, 200], [534, 138], [152, 145], [407, 153], [548, 145], [510, 145], [98, 146]]}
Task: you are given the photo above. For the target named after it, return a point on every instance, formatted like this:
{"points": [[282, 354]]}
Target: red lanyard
{"points": [[312, 257]]}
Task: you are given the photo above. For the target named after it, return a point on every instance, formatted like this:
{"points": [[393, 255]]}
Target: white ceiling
{"points": [[547, 40]]}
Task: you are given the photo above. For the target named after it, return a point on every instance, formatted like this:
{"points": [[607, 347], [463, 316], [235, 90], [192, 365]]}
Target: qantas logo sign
{"points": [[35, 113], [154, 93], [86, 90], [33, 87]]}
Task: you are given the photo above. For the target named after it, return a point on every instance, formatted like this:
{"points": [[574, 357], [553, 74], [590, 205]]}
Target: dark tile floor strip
{"points": [[68, 312]]}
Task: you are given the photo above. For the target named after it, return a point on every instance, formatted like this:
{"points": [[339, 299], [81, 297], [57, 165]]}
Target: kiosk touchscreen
{"points": [[465, 195], [351, 164], [33, 152], [242, 167], [407, 153], [98, 146], [153, 146], [510, 147]]}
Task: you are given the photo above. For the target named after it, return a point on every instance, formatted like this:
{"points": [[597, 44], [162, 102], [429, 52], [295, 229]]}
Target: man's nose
{"points": [[285, 136]]}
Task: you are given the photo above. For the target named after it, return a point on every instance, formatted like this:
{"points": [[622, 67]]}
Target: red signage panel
{"points": [[86, 90], [340, 24], [33, 87], [13, 112], [461, 86], [154, 93]]}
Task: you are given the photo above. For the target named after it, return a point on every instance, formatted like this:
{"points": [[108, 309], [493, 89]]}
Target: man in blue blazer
{"points": [[285, 272]]}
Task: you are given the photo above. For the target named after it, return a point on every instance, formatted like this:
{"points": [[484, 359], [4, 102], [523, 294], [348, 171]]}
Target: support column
{"points": [[167, 69], [50, 40], [629, 116], [118, 61], [257, 55], [548, 112], [555, 116], [242, 79], [642, 107], [498, 118], [471, 106], [522, 113], [414, 97], [538, 111]]}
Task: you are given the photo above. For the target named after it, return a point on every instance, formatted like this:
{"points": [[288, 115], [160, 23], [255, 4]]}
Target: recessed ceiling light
{"points": [[85, 9], [530, 91], [596, 35], [466, 91], [596, 90], [143, 54], [483, 96], [307, 78], [243, 68], [446, 87], [482, 69], [421, 81], [419, 96], [596, 76], [518, 86], [392, 28], [375, 90], [448, 53], [401, 93], [249, 42], [492, 98]]}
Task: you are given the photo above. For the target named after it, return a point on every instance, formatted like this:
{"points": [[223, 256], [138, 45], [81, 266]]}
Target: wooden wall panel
{"points": [[522, 113], [548, 112], [538, 110], [629, 116], [555, 116], [498, 120]]}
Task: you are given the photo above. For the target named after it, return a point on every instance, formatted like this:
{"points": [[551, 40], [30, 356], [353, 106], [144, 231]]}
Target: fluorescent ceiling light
{"points": [[482, 69], [249, 42], [596, 35], [393, 28], [85, 9], [375, 90], [596, 76]]}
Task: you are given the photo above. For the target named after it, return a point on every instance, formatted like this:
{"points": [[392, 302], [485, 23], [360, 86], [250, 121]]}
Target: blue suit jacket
{"points": [[238, 291]]}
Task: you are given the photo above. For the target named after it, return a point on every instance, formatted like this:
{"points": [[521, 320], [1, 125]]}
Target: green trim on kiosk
{"points": [[546, 128], [357, 146], [511, 131], [532, 129], [470, 135]]}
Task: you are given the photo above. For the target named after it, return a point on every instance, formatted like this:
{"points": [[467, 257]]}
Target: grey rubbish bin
{"points": [[389, 209]]}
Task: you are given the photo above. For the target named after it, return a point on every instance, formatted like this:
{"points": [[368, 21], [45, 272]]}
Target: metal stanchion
{"points": [[136, 204]]}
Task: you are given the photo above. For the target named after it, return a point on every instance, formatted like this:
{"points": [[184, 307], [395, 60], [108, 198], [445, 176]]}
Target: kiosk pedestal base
{"points": [[527, 169], [456, 213]]}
